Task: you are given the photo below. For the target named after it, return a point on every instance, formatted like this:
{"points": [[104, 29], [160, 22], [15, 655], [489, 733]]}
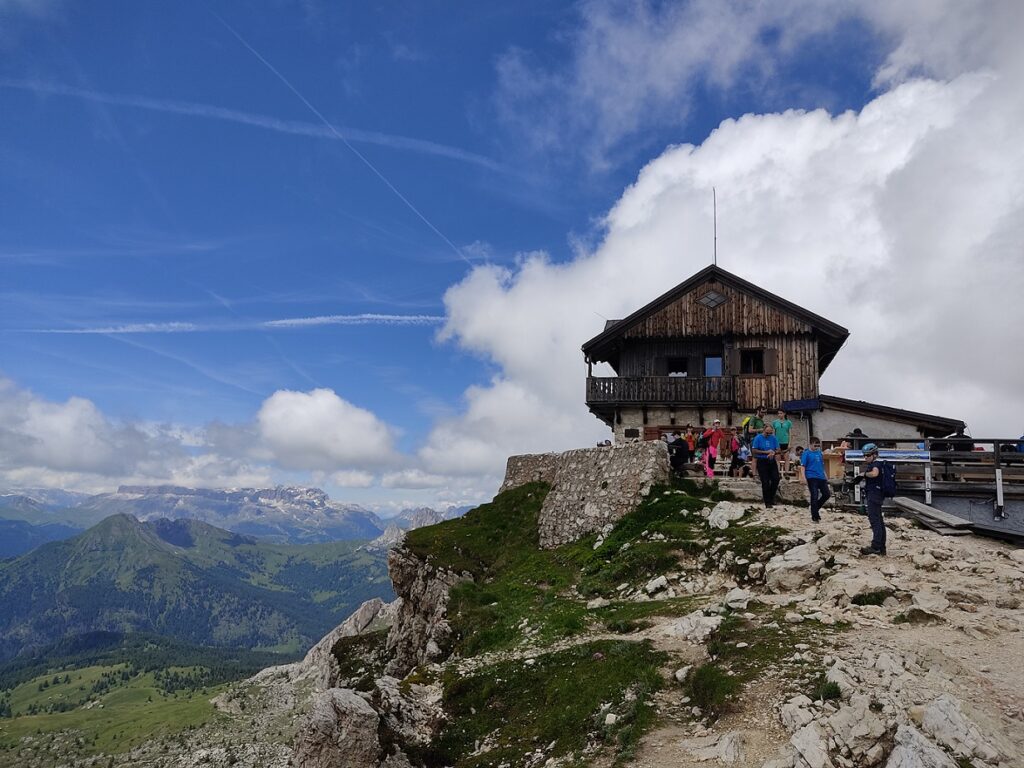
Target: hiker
{"points": [[765, 447], [678, 452], [753, 425], [712, 438], [782, 426], [691, 440], [812, 463], [798, 453], [873, 496], [740, 466]]}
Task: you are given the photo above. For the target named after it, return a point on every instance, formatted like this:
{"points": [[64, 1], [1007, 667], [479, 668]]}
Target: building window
{"points": [[713, 365], [751, 361], [712, 299], [678, 366]]}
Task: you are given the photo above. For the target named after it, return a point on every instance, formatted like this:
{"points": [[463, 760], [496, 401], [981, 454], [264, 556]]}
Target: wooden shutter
{"points": [[771, 361], [733, 361], [660, 367], [694, 366]]}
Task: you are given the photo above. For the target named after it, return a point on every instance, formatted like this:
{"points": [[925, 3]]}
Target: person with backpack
{"points": [[879, 481]]}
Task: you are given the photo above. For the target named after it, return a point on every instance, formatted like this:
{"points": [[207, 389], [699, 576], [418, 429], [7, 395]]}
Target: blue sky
{"points": [[176, 180]]}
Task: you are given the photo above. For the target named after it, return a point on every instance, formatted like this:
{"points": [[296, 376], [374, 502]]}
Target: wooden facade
{"points": [[714, 340]]}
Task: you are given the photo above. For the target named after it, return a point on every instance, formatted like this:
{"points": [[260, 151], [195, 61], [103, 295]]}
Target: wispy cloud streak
{"points": [[264, 325], [267, 122]]}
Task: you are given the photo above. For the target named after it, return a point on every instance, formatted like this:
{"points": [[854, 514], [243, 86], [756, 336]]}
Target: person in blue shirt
{"points": [[813, 464], [765, 447], [873, 496]]}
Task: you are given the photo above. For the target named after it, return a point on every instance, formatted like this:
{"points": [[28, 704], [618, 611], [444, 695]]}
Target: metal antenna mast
{"points": [[714, 206]]}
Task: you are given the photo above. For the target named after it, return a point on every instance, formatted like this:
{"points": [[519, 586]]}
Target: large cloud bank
{"points": [[903, 222]]}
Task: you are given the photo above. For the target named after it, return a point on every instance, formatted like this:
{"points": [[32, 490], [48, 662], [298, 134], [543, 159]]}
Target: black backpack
{"points": [[888, 478]]}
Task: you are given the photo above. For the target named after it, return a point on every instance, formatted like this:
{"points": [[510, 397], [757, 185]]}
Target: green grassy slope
{"points": [[183, 579], [522, 597]]}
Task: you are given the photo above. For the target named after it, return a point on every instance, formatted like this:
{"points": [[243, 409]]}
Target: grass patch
{"points": [[361, 659], [825, 690], [130, 712], [513, 708], [627, 626], [712, 688], [877, 597]]}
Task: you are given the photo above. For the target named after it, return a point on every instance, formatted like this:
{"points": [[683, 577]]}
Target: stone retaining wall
{"points": [[590, 487]]}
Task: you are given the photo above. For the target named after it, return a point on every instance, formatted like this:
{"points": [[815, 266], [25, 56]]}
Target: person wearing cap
{"points": [[764, 448], [873, 495]]}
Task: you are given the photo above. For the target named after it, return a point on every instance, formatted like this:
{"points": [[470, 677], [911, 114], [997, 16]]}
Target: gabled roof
{"points": [[831, 336]]}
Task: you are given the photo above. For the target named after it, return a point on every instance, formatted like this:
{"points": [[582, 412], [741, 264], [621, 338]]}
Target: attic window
{"points": [[712, 299]]}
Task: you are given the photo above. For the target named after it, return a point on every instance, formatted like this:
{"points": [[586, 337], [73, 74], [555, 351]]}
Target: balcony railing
{"points": [[660, 389]]}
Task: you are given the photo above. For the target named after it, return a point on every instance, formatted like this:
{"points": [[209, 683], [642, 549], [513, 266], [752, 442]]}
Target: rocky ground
{"points": [[779, 646], [928, 667]]}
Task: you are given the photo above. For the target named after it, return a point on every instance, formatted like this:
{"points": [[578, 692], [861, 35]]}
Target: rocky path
{"points": [[930, 671]]}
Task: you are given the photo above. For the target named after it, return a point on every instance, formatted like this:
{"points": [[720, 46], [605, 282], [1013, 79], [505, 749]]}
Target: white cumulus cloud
{"points": [[320, 430], [902, 221]]}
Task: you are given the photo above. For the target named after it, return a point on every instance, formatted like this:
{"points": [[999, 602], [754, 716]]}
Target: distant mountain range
{"points": [[17, 536], [282, 514], [187, 580]]}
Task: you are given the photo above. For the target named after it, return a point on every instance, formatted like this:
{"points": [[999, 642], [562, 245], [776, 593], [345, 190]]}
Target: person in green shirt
{"points": [[783, 426], [755, 425]]}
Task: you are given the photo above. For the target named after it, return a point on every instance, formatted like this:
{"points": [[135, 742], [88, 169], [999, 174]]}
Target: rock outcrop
{"points": [[421, 632], [340, 731]]}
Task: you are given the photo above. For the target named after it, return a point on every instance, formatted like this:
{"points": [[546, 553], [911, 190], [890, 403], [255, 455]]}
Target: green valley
{"points": [[186, 580]]}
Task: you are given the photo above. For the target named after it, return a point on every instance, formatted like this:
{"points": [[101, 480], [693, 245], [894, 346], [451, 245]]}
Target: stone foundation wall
{"points": [[590, 487]]}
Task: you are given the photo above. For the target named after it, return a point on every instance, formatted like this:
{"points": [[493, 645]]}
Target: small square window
{"points": [[712, 365], [751, 361], [678, 366], [712, 299]]}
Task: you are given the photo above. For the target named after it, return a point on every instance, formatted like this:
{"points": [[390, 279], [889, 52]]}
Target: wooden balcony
{"points": [[660, 390]]}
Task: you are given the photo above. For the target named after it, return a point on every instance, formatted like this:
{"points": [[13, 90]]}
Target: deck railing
{"points": [[677, 390]]}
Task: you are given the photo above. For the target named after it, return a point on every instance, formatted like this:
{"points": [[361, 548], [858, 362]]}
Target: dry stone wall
{"points": [[590, 487]]}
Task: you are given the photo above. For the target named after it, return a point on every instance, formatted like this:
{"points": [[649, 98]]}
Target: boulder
{"points": [[694, 627], [738, 598], [796, 713], [925, 561], [913, 750], [656, 585], [844, 586], [856, 727], [340, 731], [725, 512], [810, 744], [943, 719], [790, 570], [927, 606], [412, 711]]}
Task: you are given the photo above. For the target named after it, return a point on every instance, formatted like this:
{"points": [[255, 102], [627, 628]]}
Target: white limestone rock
{"points": [[943, 719], [810, 744], [855, 726], [725, 512], [844, 586], [340, 731], [793, 568], [656, 585], [738, 598], [913, 750], [694, 627], [796, 713]]}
